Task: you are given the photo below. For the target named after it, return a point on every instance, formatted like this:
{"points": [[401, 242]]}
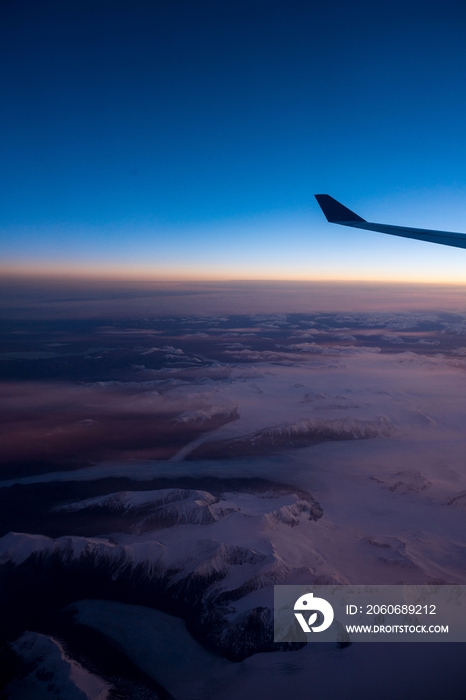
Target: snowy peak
{"points": [[291, 514], [292, 435], [145, 511], [154, 509], [52, 673]]}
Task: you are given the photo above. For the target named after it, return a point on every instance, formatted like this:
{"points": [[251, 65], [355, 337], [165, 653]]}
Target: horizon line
{"points": [[25, 275]]}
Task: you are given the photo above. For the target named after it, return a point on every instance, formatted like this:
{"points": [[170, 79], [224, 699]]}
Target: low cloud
{"points": [[43, 422]]}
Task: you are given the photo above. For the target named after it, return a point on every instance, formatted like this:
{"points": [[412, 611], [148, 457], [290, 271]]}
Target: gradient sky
{"points": [[185, 139]]}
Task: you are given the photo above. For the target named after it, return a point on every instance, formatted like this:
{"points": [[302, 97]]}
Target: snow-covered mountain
{"points": [[154, 509], [52, 673], [203, 551], [167, 507], [299, 434]]}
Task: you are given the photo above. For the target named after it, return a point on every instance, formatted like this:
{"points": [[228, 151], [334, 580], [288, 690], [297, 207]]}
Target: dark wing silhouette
{"points": [[336, 213]]}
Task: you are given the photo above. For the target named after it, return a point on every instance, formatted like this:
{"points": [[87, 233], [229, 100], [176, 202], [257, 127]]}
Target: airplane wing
{"points": [[336, 213]]}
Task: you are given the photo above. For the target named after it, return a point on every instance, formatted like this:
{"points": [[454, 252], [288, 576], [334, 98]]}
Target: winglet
{"points": [[335, 212]]}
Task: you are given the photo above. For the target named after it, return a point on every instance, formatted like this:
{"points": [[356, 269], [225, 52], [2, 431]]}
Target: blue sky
{"points": [[181, 139]]}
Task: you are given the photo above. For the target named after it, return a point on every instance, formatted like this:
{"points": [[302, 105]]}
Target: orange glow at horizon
{"points": [[152, 273]]}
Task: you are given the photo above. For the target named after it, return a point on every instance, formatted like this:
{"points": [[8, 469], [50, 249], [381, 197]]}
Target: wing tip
{"points": [[334, 212]]}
